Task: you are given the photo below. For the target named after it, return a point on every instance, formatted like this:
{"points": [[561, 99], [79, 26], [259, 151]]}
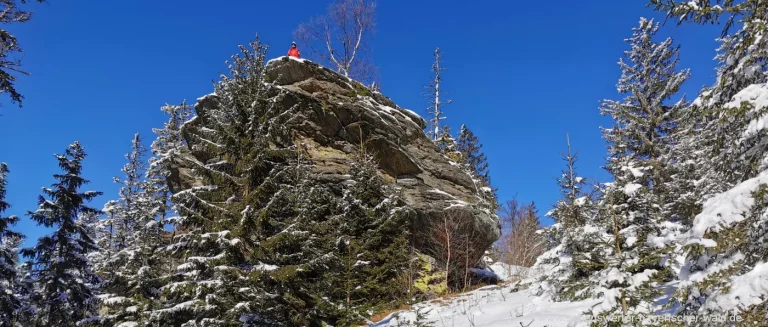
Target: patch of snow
{"points": [[707, 243], [265, 267], [631, 188], [745, 291], [115, 300], [281, 58], [757, 96], [727, 208], [206, 96], [361, 263], [456, 204], [636, 172], [714, 268], [508, 272], [434, 190], [494, 306]]}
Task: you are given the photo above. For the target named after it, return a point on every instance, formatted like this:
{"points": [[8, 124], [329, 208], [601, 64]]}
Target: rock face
{"points": [[331, 116]]}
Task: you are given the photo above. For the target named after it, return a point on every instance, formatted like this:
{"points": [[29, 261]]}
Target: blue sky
{"points": [[520, 73]]}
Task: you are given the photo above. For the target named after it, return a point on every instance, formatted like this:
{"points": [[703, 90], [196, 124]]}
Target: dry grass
{"points": [[444, 300], [383, 314], [447, 298]]}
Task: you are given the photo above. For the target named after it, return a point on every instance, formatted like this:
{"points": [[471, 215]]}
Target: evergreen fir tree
{"points": [[261, 241], [630, 210], [372, 252], [63, 279], [10, 299], [447, 144], [9, 62], [103, 228], [742, 57], [132, 266], [166, 149], [237, 229], [566, 262], [569, 211], [726, 246], [132, 207], [472, 155], [476, 165], [742, 54]]}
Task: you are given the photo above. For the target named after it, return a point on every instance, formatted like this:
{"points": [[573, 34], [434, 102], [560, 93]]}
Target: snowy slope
{"points": [[495, 306]]}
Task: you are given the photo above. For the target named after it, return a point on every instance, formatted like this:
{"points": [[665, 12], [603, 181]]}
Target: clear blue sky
{"points": [[520, 74]]}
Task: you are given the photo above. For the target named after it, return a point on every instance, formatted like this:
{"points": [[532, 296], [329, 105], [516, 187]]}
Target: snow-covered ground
{"points": [[495, 306]]}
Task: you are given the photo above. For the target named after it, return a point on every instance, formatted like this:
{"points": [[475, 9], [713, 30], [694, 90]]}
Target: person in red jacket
{"points": [[294, 51]]}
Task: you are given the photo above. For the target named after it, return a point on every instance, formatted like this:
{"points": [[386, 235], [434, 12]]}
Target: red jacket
{"points": [[294, 52]]}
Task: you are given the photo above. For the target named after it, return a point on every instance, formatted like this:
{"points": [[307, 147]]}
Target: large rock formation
{"points": [[332, 116]]}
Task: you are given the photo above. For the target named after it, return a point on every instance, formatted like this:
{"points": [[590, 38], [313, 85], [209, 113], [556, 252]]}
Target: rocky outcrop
{"points": [[331, 116]]}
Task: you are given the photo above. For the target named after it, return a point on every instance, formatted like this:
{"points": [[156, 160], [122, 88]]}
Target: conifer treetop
{"points": [[64, 281], [743, 54], [66, 203]]}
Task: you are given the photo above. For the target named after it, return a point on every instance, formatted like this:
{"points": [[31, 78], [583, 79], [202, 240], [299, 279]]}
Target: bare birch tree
{"points": [[340, 38], [435, 110], [452, 242], [470, 252]]}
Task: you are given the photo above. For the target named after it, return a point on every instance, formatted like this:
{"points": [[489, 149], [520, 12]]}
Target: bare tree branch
{"points": [[453, 240], [522, 244], [338, 39], [435, 110]]}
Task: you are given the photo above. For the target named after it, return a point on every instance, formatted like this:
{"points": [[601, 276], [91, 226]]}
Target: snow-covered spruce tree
{"points": [[435, 109], [567, 269], [476, 165], [260, 237], [471, 150], [132, 263], [631, 208], [101, 233], [372, 247], [10, 63], [447, 144], [213, 248], [726, 245], [10, 299], [166, 149], [131, 208], [105, 239], [299, 245], [572, 210], [64, 283], [251, 245]]}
